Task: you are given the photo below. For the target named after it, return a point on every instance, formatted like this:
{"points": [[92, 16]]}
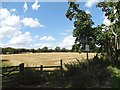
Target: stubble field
{"points": [[47, 59]]}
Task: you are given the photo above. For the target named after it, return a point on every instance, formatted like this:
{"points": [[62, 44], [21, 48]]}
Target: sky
{"points": [[39, 24]]}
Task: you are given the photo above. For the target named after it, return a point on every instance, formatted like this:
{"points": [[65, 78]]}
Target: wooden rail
{"points": [[44, 67], [9, 67], [22, 68], [14, 68]]}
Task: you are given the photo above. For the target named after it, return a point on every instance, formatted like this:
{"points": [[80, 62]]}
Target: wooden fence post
{"points": [[21, 69], [41, 68], [61, 68]]}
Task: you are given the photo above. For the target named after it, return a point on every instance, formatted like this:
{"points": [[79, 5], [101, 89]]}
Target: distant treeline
{"points": [[9, 50]]}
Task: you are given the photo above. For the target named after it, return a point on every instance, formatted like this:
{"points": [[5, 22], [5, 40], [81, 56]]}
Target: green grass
{"points": [[115, 77]]}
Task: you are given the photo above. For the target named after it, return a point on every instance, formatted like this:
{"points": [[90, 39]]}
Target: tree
{"points": [[44, 49], [83, 24], [57, 49], [9, 50], [51, 50], [38, 50], [63, 50], [75, 48], [107, 37], [32, 50], [110, 37]]}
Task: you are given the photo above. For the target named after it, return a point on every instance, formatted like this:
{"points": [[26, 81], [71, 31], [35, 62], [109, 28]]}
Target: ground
{"points": [[37, 59]]}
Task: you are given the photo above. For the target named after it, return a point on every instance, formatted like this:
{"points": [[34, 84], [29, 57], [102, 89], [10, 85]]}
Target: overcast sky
{"points": [[39, 24]]}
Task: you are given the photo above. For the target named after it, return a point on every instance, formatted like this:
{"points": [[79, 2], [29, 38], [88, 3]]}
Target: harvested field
{"points": [[37, 59]]}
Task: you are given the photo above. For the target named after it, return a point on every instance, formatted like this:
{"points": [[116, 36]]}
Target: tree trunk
{"points": [[113, 55]]}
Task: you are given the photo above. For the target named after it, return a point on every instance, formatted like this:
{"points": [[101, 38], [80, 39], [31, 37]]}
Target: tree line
{"points": [[10, 50]]}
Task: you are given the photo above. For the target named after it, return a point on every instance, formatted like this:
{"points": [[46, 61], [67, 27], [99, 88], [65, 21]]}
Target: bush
{"points": [[115, 77], [77, 75]]}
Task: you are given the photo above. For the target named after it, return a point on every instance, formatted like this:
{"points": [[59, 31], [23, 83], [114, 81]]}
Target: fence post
{"points": [[41, 68], [61, 67], [21, 70]]}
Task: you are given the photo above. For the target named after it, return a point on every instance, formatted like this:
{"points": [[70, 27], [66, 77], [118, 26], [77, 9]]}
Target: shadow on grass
{"points": [[4, 60], [33, 78], [78, 77], [101, 75]]}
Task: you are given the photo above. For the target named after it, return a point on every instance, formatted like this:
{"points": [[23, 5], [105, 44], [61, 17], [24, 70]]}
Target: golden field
{"points": [[47, 59]]}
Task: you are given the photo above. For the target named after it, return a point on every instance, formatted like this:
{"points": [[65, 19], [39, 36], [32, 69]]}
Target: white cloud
{"points": [[12, 21], [90, 3], [106, 21], [2, 45], [103, 16], [35, 6], [10, 24], [47, 38], [12, 10], [31, 22], [67, 42], [21, 39], [8, 32], [63, 34], [87, 11], [25, 7], [45, 45], [36, 37], [41, 45], [66, 32], [4, 13]]}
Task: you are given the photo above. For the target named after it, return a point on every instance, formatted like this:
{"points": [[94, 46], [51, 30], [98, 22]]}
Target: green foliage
{"points": [[57, 49], [77, 76], [83, 27], [44, 49], [64, 50], [115, 77], [109, 9], [10, 50], [109, 38]]}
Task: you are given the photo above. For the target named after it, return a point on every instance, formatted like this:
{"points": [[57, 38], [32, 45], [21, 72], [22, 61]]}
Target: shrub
{"points": [[77, 75]]}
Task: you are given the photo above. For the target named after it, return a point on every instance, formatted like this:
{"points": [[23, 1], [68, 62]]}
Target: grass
{"points": [[77, 75], [115, 77], [74, 76], [33, 78], [37, 59], [101, 75]]}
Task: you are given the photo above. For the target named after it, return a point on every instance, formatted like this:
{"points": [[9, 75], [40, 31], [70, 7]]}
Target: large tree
{"points": [[110, 37], [83, 25]]}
